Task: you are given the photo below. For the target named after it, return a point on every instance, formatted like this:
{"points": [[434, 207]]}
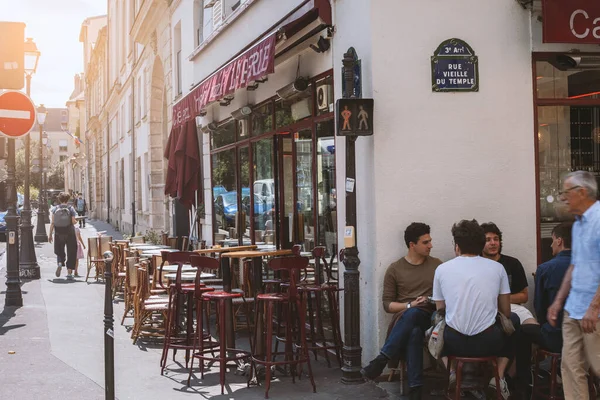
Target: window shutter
{"points": [[218, 13]]}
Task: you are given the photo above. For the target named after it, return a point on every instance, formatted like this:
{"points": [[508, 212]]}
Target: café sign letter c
{"points": [[580, 33]]}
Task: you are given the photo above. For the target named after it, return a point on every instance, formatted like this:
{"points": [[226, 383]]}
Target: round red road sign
{"points": [[17, 114]]}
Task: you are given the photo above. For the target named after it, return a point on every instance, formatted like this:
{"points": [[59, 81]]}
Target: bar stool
{"points": [[221, 299], [173, 340], [295, 305], [460, 361], [315, 292], [540, 389]]}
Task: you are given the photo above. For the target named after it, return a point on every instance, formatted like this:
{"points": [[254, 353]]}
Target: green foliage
{"points": [[153, 237]]}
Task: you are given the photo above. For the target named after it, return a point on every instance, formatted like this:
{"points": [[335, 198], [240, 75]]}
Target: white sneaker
{"points": [[503, 387]]}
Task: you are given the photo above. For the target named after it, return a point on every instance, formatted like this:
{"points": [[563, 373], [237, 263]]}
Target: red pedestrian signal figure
{"points": [[346, 114]]}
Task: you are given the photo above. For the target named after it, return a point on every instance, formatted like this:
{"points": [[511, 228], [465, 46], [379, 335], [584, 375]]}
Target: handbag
{"points": [[436, 340], [507, 325]]}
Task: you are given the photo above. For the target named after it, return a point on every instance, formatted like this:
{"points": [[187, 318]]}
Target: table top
{"points": [[149, 246], [225, 249], [189, 276], [173, 268], [261, 253], [153, 252]]}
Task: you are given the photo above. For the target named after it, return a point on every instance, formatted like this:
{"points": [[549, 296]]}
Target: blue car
{"points": [[2, 226]]}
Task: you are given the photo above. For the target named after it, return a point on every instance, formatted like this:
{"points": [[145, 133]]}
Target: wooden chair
{"points": [[130, 286], [164, 236], [138, 239], [172, 242], [96, 247], [149, 314], [118, 269], [185, 242]]}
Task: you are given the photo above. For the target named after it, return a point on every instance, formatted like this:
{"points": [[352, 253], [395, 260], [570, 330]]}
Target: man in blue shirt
{"points": [[580, 327], [548, 279]]}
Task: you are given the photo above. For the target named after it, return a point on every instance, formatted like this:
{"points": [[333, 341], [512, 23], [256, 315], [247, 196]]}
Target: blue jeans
{"points": [[406, 339]]}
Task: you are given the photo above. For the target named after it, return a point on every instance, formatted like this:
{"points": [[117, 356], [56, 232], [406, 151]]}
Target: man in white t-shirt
{"points": [[471, 289]]}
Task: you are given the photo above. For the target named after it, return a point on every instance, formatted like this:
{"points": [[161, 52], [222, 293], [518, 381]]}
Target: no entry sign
{"points": [[17, 114]]}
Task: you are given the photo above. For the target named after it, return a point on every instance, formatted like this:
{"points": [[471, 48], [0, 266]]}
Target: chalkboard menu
{"points": [[454, 68]]}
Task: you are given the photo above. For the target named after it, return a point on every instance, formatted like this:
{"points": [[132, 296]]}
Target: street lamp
{"points": [[28, 265], [40, 234]]}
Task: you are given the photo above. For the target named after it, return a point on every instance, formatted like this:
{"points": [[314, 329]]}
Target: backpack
{"points": [[62, 217]]}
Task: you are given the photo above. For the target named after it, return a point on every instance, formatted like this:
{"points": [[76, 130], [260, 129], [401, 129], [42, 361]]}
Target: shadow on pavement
{"points": [[5, 316], [63, 281]]}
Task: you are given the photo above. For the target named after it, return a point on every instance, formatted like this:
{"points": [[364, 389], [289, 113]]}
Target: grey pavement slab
{"points": [[57, 337]]}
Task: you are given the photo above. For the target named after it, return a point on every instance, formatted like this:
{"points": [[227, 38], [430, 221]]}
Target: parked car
{"points": [[2, 226], [226, 206]]}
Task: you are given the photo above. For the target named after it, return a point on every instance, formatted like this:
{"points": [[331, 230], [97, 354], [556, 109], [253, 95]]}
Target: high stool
{"points": [[539, 389], [460, 361], [315, 292], [295, 306], [221, 299], [177, 294]]}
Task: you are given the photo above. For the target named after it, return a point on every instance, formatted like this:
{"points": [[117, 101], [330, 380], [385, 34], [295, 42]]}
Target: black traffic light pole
{"points": [[352, 351], [14, 296]]}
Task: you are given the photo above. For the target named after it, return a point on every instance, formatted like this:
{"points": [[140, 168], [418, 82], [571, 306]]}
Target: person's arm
{"points": [[504, 294], [590, 319], [389, 296], [73, 214], [519, 284], [561, 297], [540, 304], [504, 304], [521, 297], [50, 236], [440, 305]]}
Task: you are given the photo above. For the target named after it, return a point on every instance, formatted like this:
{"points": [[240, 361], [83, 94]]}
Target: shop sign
{"points": [[454, 68], [354, 117], [255, 63], [571, 21]]}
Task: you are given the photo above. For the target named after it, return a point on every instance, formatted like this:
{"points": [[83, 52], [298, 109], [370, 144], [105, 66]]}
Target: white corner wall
{"points": [[442, 157]]}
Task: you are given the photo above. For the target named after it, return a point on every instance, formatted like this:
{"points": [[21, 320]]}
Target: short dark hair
{"points": [[490, 227], [414, 231], [563, 231], [64, 197], [469, 237]]}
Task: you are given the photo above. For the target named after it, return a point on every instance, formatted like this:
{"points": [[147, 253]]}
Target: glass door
{"points": [[304, 190], [243, 216]]}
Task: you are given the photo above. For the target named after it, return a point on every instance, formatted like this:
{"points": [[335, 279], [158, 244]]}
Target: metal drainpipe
{"points": [[107, 169], [133, 219]]}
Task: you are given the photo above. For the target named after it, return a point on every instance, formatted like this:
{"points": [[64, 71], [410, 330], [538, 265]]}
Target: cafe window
{"points": [[262, 119], [224, 135], [567, 134], [294, 109]]}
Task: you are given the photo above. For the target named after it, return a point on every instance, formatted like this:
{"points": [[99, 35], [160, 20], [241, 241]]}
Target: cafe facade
{"points": [[480, 108]]}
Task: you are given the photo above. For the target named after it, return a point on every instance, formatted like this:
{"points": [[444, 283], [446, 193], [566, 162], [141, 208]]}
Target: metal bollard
{"points": [[109, 336]]}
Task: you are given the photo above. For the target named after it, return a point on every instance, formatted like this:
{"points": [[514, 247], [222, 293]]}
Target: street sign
{"points": [[17, 114], [355, 117]]}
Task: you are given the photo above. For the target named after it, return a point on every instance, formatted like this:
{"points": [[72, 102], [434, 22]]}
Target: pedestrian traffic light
{"points": [[12, 55]]}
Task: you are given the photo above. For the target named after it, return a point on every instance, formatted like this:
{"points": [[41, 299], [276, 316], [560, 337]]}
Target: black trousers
{"points": [[66, 239], [544, 336], [82, 220], [491, 342]]}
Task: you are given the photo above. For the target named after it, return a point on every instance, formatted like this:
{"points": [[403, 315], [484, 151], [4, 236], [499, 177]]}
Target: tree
{"points": [[56, 177], [34, 177]]}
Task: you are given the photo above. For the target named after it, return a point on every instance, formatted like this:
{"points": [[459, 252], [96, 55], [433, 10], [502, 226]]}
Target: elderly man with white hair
{"points": [[580, 287]]}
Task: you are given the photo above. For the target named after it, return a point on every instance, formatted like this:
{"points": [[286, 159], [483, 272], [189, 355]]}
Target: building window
{"points": [[199, 11], [122, 185], [177, 51], [63, 145], [138, 177], [138, 105], [63, 158], [178, 72], [567, 135]]}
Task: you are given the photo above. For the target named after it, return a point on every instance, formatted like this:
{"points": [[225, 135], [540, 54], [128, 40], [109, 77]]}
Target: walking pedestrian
{"points": [[62, 226], [81, 205], [80, 252], [580, 287]]}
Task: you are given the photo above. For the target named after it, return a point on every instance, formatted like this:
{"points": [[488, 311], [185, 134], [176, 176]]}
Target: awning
{"points": [[183, 169], [253, 64]]}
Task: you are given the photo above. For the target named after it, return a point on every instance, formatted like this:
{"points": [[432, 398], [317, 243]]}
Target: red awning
{"points": [[183, 171], [253, 64]]}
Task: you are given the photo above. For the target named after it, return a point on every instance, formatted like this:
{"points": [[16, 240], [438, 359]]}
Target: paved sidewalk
{"points": [[57, 337]]}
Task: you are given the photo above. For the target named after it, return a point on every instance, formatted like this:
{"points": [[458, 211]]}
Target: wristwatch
{"points": [[408, 305]]}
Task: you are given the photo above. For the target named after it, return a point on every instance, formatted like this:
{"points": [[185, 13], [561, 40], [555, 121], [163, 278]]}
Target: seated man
{"points": [[548, 279], [519, 293], [471, 289], [407, 284]]}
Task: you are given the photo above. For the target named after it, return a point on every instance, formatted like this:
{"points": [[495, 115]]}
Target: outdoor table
{"points": [[147, 246], [256, 256], [184, 268], [154, 252], [188, 276], [221, 250]]}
